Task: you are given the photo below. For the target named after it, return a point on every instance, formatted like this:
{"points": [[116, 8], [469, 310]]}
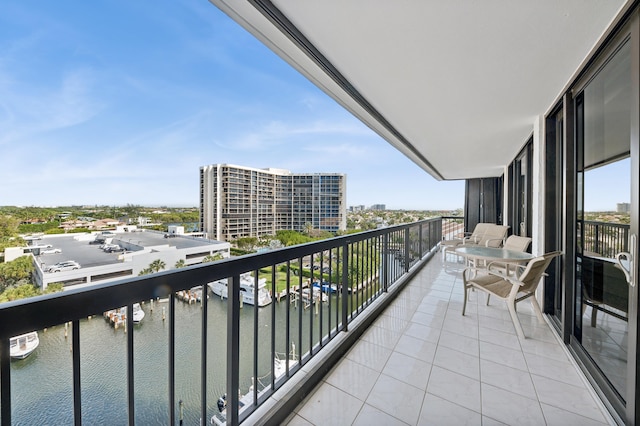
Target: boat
{"points": [[279, 369], [313, 296], [326, 287], [247, 290], [118, 317], [23, 345], [138, 313], [280, 365]]}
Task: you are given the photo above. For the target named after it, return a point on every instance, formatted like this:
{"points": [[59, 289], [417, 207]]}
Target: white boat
{"points": [[279, 369], [118, 317], [318, 296], [247, 290], [138, 313], [280, 365], [22, 346]]}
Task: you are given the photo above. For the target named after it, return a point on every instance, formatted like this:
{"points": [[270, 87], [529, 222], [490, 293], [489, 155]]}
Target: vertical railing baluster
{"points": [[75, 355], [339, 289], [345, 288], [301, 304], [385, 262], [203, 354], [172, 358], [233, 350], [322, 293], [256, 303], [420, 240], [312, 306], [5, 375], [406, 249], [130, 369], [288, 316], [272, 327]]}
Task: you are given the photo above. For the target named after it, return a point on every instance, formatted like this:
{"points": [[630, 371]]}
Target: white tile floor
{"points": [[423, 363]]}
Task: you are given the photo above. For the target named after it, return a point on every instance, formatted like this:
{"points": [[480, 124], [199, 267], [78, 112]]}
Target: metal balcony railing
{"points": [[604, 238], [452, 227], [358, 267]]}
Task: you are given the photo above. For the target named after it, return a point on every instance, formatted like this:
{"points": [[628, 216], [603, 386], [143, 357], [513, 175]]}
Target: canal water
{"points": [[42, 384]]}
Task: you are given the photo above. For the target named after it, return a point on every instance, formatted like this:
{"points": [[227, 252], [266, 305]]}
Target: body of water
{"points": [[42, 388]]}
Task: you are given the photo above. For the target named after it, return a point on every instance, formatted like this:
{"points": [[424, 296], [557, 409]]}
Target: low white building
{"points": [[141, 248]]}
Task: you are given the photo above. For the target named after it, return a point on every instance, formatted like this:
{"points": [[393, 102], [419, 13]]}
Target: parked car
{"points": [[114, 249], [51, 251], [108, 247], [41, 246], [63, 266]]}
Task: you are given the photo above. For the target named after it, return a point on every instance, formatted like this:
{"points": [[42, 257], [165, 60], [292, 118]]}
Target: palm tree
{"points": [[180, 264], [157, 265], [212, 258]]}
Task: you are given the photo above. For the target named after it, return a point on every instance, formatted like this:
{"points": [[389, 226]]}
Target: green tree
{"points": [[11, 273], [19, 292], [8, 226], [180, 264]]}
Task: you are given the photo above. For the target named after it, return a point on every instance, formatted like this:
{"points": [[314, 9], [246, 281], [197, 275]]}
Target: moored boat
{"points": [[23, 345], [247, 290]]}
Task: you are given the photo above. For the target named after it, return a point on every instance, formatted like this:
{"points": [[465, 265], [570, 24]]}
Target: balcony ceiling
{"points": [[454, 85]]}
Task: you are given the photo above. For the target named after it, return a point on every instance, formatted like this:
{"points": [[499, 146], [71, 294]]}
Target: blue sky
{"points": [[116, 102]]}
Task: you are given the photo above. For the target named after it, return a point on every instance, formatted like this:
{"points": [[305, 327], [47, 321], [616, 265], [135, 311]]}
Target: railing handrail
{"points": [[58, 308]]}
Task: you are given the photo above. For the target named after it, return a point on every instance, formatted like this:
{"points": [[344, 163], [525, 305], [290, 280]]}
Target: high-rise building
{"points": [[237, 201]]}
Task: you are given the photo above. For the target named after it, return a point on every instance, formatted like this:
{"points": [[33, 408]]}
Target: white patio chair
{"points": [[509, 288]]}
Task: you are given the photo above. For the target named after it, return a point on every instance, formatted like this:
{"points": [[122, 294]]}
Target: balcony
{"points": [[421, 362], [390, 346], [213, 348]]}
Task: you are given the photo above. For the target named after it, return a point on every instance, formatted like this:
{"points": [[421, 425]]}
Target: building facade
{"points": [[237, 201]]}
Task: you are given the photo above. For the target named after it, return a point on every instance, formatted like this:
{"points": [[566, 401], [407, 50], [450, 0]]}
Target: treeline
{"points": [[47, 220]]}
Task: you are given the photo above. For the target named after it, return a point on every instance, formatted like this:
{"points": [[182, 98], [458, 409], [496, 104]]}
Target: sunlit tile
{"points": [[575, 399], [354, 378], [372, 416], [455, 388], [437, 411], [408, 370], [510, 357], [396, 398], [369, 354], [561, 370], [458, 362], [416, 348], [464, 344], [330, 406], [507, 378], [510, 408], [557, 417]]}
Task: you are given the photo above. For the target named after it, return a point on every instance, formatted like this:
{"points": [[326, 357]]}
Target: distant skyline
{"points": [[116, 103]]}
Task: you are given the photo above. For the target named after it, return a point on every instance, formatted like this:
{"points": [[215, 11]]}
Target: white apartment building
{"points": [[238, 201]]}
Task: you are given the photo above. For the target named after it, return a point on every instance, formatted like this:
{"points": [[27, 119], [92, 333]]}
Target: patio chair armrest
{"points": [[512, 279], [494, 242], [463, 234], [497, 264]]}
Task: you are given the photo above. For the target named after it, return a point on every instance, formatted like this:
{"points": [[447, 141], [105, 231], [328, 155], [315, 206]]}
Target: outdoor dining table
{"points": [[493, 254]]}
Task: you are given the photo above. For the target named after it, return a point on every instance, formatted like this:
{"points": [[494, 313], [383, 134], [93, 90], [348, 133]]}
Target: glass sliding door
{"points": [[553, 197], [604, 175], [521, 180]]}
